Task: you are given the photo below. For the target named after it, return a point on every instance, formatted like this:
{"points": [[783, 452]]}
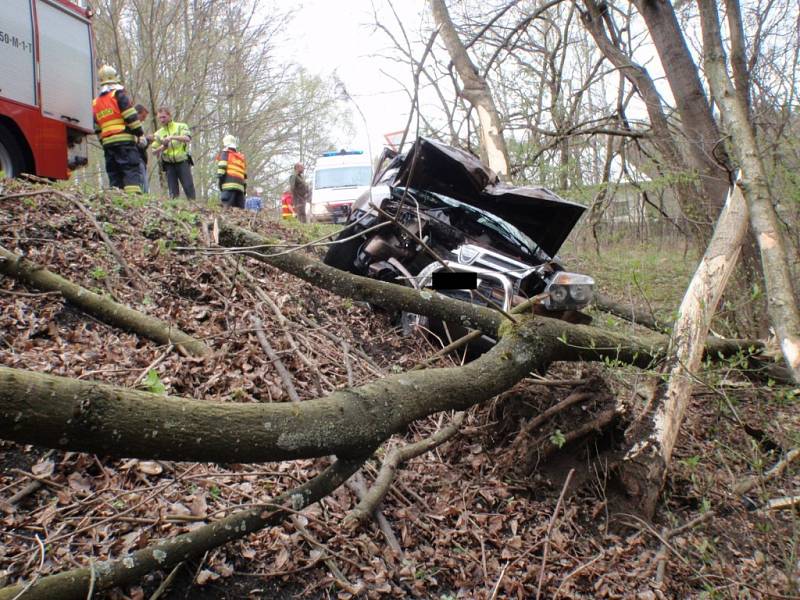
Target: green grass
{"points": [[647, 275], [312, 231]]}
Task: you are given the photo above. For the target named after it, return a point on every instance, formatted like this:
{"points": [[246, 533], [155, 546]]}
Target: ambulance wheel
{"points": [[12, 160]]}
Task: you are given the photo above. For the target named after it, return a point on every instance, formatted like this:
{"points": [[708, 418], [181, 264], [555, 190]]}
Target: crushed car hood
{"points": [[539, 213]]}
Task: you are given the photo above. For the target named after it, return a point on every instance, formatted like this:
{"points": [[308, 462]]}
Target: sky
{"points": [[338, 36]]}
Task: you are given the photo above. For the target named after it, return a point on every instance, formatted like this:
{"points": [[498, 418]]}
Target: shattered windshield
{"points": [[496, 224]]}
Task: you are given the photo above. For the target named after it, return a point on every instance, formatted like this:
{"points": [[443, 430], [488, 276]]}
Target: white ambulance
{"points": [[340, 177]]}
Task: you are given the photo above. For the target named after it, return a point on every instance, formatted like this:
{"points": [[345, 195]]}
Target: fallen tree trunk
{"points": [[389, 296], [92, 417], [168, 553], [432, 304], [643, 470], [101, 307]]}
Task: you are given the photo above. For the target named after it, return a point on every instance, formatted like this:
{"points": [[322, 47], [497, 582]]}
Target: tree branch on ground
{"points": [[101, 307], [168, 553]]}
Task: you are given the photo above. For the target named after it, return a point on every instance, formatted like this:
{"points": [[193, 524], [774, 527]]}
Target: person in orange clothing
{"points": [[287, 210], [118, 127], [231, 173]]}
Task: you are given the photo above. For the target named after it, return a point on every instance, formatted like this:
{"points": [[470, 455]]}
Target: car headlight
{"points": [[569, 291], [581, 293], [558, 294]]}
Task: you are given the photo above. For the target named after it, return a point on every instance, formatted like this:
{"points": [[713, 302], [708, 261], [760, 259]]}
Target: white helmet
{"points": [[230, 141], [107, 74]]}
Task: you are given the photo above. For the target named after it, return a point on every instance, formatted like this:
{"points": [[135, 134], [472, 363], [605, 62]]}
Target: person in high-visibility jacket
{"points": [[171, 146], [287, 210], [231, 173], [117, 125]]}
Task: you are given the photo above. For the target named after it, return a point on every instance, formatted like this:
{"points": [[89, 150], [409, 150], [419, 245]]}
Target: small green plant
{"points": [[557, 438], [186, 217], [109, 228], [152, 383], [98, 273], [151, 229], [706, 549], [164, 246], [215, 492], [691, 462]]}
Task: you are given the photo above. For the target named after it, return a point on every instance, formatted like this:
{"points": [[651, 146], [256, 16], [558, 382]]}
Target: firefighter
{"points": [[231, 173], [287, 210], [118, 127]]}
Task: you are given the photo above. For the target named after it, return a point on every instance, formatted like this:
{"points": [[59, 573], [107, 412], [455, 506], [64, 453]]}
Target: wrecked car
{"points": [[439, 209]]}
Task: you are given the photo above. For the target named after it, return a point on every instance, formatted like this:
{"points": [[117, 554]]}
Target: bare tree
{"points": [[214, 64], [782, 300], [476, 90]]}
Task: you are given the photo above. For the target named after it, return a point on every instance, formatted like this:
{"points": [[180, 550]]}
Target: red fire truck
{"points": [[46, 87]]}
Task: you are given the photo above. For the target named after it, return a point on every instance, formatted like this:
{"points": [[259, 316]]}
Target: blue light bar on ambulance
{"points": [[342, 152]]}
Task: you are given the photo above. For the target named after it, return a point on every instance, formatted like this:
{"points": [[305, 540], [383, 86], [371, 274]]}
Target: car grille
{"points": [[488, 259]]}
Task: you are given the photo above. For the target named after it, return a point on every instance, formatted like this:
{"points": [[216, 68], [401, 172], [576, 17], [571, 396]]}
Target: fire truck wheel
{"points": [[12, 161]]}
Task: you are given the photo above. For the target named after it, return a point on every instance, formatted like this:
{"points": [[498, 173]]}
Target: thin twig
{"points": [[167, 582], [356, 484], [153, 365], [92, 578], [337, 572], [782, 503], [319, 377], [134, 276], [573, 398], [455, 345], [577, 570], [751, 482], [285, 376], [347, 365], [394, 460], [38, 569], [499, 581], [550, 531]]}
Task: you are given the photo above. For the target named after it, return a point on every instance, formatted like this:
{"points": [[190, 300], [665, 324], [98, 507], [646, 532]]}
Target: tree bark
{"points": [[705, 151], [643, 470], [476, 91], [92, 417], [781, 298], [741, 73], [164, 555], [102, 307], [662, 137]]}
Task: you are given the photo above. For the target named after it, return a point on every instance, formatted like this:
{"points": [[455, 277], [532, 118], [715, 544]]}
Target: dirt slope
{"points": [[472, 518]]}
